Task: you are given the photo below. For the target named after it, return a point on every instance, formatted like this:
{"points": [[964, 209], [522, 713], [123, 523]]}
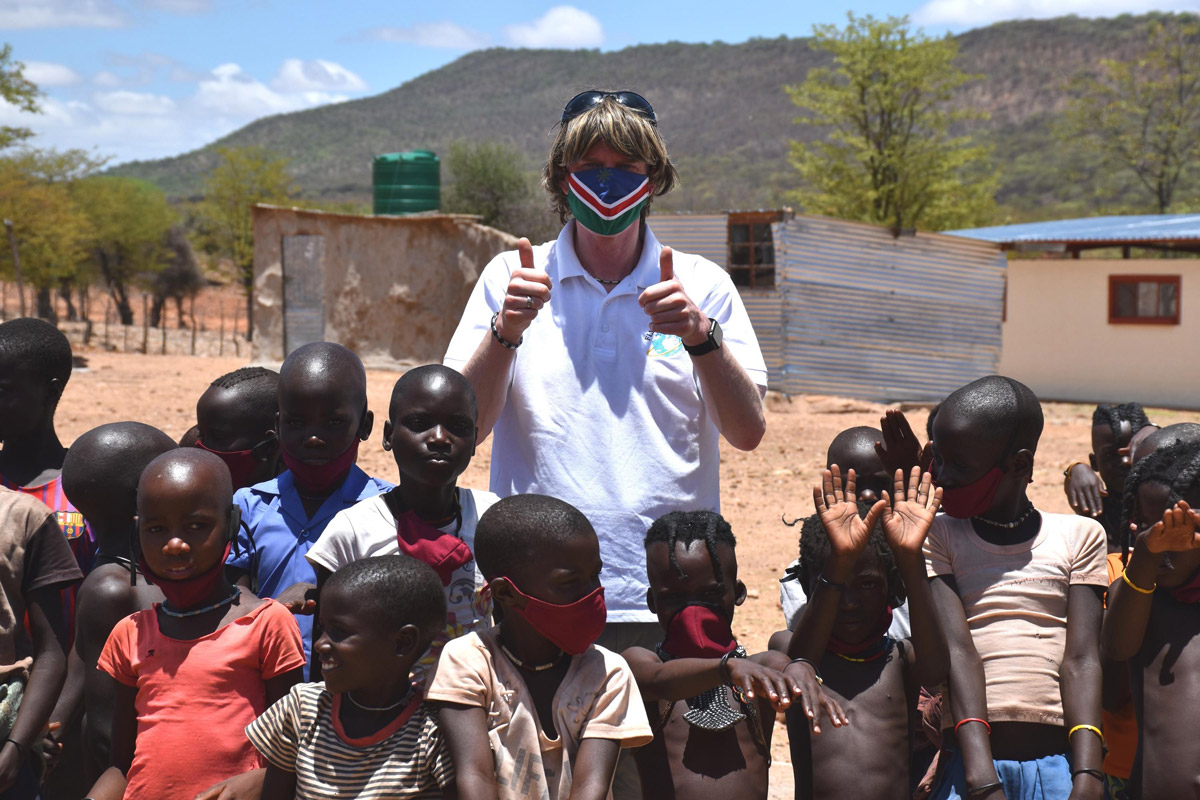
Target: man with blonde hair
{"points": [[613, 395]]}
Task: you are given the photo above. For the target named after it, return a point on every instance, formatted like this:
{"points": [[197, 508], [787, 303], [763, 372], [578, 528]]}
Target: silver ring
{"points": [[528, 301]]}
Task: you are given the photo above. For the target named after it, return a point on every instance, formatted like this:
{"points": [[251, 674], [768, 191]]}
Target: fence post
{"points": [[145, 324], [221, 346], [107, 309], [237, 318], [192, 314]]}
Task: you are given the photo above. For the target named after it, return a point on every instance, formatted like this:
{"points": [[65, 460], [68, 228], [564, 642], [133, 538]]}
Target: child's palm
{"points": [[907, 522], [1176, 531], [837, 507]]}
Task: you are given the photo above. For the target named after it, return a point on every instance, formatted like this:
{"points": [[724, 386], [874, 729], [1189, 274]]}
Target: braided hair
{"points": [[815, 550], [686, 527], [1176, 466], [1114, 415]]}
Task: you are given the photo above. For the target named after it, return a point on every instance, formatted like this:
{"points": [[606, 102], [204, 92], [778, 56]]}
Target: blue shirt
{"points": [[283, 534]]}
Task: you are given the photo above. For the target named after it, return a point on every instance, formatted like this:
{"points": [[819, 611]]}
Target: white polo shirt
{"points": [[600, 412]]}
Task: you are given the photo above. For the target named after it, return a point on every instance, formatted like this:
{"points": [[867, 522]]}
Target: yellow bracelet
{"points": [[1091, 728], [1135, 587]]}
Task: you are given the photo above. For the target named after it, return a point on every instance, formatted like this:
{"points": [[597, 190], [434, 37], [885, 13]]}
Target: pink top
{"points": [[1015, 599], [195, 698]]}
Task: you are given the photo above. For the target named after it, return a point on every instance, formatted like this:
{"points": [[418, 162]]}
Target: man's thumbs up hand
{"points": [[670, 310], [528, 290]]}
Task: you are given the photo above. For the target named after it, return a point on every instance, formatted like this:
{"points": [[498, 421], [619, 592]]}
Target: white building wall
{"points": [[1057, 338]]}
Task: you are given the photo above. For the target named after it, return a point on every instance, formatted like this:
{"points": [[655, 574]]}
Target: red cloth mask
{"points": [[443, 551], [242, 464], [571, 628], [973, 499], [836, 645], [699, 630], [189, 592], [320, 478], [1188, 592]]}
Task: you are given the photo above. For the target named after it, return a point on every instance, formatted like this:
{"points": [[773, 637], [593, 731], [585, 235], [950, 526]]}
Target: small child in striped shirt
{"points": [[365, 732]]}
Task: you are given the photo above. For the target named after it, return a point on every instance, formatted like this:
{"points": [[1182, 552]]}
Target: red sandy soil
{"points": [[757, 488]]}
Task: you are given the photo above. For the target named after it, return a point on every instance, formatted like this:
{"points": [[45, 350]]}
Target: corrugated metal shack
{"points": [[846, 308]]}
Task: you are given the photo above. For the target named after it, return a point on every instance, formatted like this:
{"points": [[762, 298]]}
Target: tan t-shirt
{"points": [[34, 554], [597, 699], [1015, 599]]}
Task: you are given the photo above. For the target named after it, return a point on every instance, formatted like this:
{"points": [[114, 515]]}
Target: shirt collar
{"points": [[566, 262], [352, 489]]}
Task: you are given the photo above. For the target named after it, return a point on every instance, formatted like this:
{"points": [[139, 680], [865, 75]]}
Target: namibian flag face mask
{"points": [[607, 201]]}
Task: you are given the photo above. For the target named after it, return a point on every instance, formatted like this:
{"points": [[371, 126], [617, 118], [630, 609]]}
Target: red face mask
{"points": [[319, 478], [699, 631], [571, 628], [242, 464], [973, 499], [190, 592], [443, 551]]}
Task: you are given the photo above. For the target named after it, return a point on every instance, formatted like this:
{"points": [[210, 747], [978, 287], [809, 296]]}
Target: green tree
{"points": [[489, 179], [889, 155], [17, 91], [127, 242], [245, 176], [1142, 116]]}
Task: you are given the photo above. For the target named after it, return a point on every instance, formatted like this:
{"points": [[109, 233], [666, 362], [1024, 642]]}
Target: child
{"points": [[190, 673], [1018, 593], [1153, 621], [366, 731], [235, 420], [531, 708], [35, 365], [710, 740], [36, 564], [1094, 489], [856, 571], [100, 476], [322, 417], [431, 433]]}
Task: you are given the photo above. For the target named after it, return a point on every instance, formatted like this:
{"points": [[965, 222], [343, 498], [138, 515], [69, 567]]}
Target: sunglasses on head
{"points": [[587, 100]]}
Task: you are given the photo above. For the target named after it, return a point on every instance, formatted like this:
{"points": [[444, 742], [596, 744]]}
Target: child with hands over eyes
{"points": [[856, 576]]}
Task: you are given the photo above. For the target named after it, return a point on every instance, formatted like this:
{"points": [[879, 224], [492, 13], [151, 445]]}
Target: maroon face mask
{"points": [[443, 551], [190, 592], [699, 631], [242, 464], [973, 499], [319, 478], [571, 628]]}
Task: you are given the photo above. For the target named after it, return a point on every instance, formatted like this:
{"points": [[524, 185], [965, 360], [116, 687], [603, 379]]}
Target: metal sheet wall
{"points": [[870, 316]]}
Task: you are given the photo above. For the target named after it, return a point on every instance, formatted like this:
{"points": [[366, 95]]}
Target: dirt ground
{"points": [[756, 488]]}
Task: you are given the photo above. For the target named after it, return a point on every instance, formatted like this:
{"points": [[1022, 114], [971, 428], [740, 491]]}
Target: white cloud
{"points": [[975, 13], [106, 79], [134, 103], [561, 26], [180, 6], [296, 75], [28, 14], [446, 35], [47, 74]]}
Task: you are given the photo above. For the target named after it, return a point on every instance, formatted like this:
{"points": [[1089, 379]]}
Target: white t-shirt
{"points": [[603, 414], [368, 529]]}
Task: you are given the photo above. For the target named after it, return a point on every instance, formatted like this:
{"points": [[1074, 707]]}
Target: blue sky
{"points": [[139, 79]]}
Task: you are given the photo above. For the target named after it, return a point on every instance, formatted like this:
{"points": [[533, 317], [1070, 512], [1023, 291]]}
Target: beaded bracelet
{"points": [[1135, 587], [1091, 728], [505, 342], [982, 722]]}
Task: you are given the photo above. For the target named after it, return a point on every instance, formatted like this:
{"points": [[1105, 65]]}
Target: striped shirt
{"points": [[302, 733]]}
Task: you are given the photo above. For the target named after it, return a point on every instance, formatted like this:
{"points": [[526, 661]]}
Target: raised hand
{"points": [[906, 523], [899, 448], [1178, 530], [1085, 491], [528, 290], [838, 510], [670, 310]]}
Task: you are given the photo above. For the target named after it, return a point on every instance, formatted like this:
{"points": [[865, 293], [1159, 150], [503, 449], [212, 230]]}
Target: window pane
{"points": [[1126, 294], [740, 277], [1168, 300], [1147, 299], [764, 277], [762, 232], [739, 255], [739, 234]]}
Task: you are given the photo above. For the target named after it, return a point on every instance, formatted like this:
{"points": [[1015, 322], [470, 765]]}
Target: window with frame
{"points": [[1143, 299], [751, 261]]}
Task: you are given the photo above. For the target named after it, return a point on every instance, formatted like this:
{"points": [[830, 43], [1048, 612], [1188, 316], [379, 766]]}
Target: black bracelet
{"points": [[21, 749], [723, 669], [505, 342], [812, 666], [987, 787], [822, 579], [1095, 773]]}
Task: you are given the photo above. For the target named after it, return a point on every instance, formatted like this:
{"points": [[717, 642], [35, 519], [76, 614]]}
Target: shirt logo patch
{"points": [[663, 344], [71, 523]]}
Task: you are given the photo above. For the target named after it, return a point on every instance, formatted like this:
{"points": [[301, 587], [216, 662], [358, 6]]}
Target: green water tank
{"points": [[406, 183]]}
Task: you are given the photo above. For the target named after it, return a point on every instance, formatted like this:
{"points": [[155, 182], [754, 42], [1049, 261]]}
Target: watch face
{"points": [[715, 335]]}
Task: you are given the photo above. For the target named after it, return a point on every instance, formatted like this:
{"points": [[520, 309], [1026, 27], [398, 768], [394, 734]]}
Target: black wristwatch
{"points": [[713, 342]]}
